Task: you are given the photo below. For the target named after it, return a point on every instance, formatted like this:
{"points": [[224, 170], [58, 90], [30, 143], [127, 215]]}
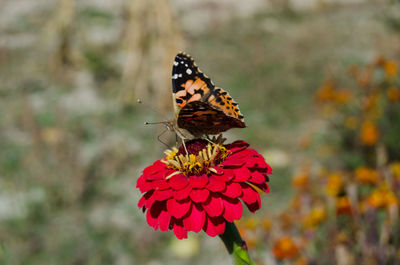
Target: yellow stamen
{"points": [[211, 155], [213, 170], [205, 154], [173, 162], [173, 174], [209, 150]]}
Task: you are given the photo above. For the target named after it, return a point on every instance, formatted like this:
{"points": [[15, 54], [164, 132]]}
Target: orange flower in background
{"points": [[390, 68], [343, 206], [382, 197], [395, 169], [391, 199], [376, 199], [342, 96], [393, 93], [335, 184], [367, 175], [316, 217], [380, 60], [369, 133], [326, 91], [285, 248], [301, 179]]}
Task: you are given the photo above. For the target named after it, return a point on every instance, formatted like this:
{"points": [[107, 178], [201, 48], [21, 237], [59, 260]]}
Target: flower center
{"points": [[200, 159]]}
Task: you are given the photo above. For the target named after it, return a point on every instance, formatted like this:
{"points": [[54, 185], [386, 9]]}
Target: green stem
{"points": [[235, 245]]}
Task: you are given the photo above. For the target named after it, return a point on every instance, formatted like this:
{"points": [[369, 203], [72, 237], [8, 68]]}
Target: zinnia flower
{"points": [[203, 189]]}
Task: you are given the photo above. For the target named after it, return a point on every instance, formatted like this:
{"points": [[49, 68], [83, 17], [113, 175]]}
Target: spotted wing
{"points": [[190, 85]]}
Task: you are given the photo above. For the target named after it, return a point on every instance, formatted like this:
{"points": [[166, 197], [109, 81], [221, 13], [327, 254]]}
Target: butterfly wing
{"points": [[200, 107]]}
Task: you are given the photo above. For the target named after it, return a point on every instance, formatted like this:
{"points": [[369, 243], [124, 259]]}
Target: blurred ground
{"points": [[72, 140]]}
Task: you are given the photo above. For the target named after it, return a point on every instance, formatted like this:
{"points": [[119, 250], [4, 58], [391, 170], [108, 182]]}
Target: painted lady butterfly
{"points": [[200, 107]]}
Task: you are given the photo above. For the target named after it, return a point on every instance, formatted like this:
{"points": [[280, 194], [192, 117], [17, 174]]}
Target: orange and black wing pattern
{"points": [[200, 107]]}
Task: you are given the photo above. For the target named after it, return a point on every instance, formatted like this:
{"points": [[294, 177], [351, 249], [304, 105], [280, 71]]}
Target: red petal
{"points": [[233, 190], [249, 195], [263, 186], [257, 177], [213, 206], [219, 170], [162, 195], [142, 202], [178, 228], [149, 202], [226, 176], [254, 206], [144, 198], [160, 184], [214, 226], [195, 219], [215, 185], [143, 185], [259, 159], [154, 171], [140, 181], [164, 220], [241, 174], [198, 181], [237, 146], [199, 195], [232, 209], [183, 193], [261, 166], [178, 182], [178, 208], [154, 212], [231, 161]]}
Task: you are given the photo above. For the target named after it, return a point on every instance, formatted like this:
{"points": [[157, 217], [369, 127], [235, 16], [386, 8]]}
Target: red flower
{"points": [[202, 189]]}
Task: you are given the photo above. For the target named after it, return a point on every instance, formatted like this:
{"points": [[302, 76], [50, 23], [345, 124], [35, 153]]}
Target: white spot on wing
{"points": [[175, 76], [188, 71], [176, 63]]}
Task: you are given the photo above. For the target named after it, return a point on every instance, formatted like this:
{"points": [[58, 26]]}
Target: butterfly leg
{"points": [[184, 146], [159, 138], [180, 135], [209, 140], [215, 140]]}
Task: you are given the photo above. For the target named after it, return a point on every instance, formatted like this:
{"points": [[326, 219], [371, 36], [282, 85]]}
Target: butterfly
{"points": [[200, 107]]}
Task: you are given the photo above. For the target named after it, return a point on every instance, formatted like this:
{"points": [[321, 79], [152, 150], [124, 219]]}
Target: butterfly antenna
{"points": [[139, 101], [158, 122]]}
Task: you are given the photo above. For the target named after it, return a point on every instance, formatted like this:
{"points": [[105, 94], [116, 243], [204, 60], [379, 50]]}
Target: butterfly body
{"points": [[200, 107]]}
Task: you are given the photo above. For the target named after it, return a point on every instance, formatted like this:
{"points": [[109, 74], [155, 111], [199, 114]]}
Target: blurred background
{"points": [[317, 81]]}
